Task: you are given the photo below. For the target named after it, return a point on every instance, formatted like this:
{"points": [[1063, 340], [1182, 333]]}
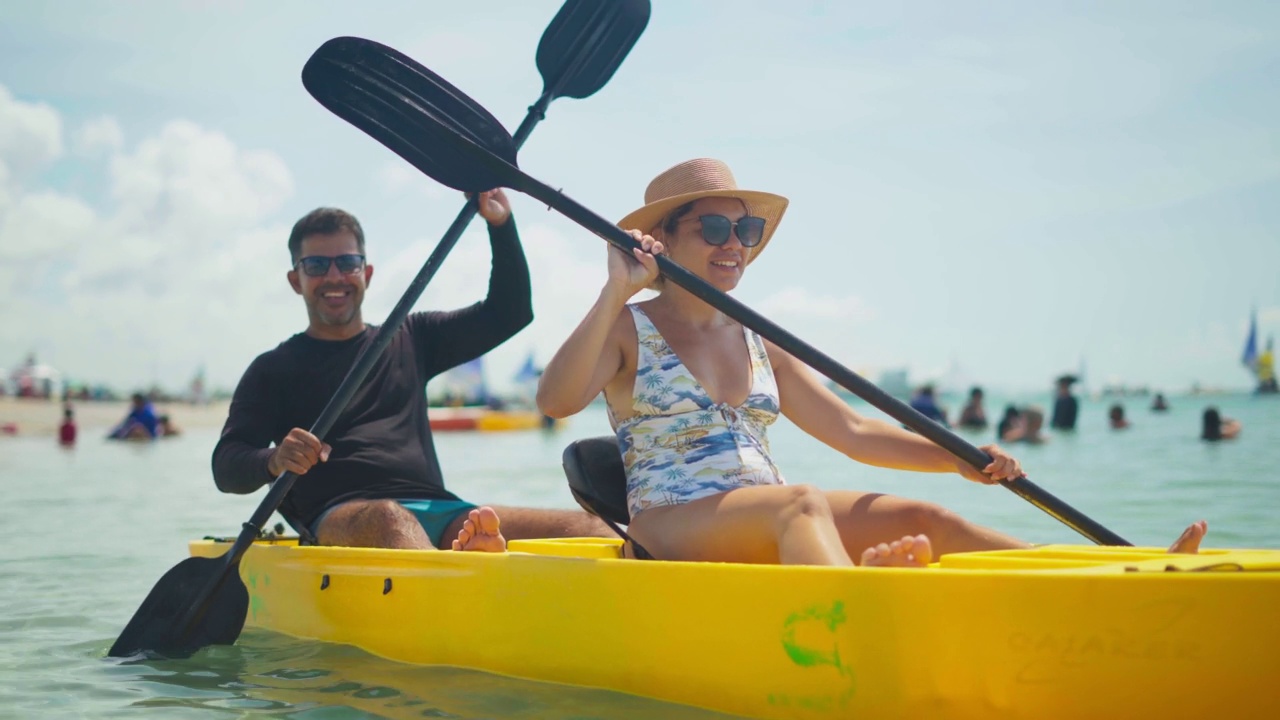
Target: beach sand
{"points": [[42, 417]]}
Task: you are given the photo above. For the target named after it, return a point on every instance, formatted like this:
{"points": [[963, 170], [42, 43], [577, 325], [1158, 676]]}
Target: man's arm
{"points": [[448, 339], [241, 456]]}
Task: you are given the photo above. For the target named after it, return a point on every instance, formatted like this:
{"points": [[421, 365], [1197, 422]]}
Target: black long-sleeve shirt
{"points": [[381, 443]]}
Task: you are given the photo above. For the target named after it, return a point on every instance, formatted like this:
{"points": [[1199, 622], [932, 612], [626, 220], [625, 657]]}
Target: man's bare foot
{"points": [[907, 552], [1189, 540], [480, 532]]}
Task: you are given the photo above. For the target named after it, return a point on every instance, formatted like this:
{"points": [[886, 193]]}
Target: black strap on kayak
{"points": [[636, 548], [598, 481]]}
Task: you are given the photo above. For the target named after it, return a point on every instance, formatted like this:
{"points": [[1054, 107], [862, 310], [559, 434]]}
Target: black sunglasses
{"points": [[318, 265], [715, 229]]}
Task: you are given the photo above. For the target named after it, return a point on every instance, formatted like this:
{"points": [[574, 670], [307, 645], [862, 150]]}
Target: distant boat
{"points": [[459, 399], [1261, 365]]}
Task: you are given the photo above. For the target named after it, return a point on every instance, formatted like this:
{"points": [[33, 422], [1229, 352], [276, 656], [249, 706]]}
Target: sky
{"points": [[992, 192]]}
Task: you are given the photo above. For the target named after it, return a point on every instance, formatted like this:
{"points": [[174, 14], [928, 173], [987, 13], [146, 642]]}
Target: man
{"points": [[1065, 406], [924, 402], [375, 480], [140, 424]]}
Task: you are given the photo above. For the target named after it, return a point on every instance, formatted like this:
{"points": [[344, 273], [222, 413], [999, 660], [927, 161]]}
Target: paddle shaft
{"points": [[359, 370], [517, 179]]}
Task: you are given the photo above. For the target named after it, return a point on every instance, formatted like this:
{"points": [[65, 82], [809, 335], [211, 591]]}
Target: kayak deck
{"points": [[1055, 631]]}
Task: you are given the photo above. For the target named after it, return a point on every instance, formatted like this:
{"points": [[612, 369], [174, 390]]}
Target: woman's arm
{"points": [[587, 360], [822, 414], [592, 355]]}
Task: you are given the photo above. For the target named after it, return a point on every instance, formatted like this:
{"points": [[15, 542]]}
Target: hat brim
{"points": [[761, 204]]}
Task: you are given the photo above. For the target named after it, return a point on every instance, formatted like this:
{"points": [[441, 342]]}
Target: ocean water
{"points": [[86, 532]]}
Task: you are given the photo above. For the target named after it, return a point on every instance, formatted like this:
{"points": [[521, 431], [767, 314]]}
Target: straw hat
{"points": [[700, 178]]}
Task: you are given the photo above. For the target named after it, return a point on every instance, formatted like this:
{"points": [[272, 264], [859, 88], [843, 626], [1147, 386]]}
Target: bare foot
{"points": [[907, 552], [1189, 540], [480, 532]]}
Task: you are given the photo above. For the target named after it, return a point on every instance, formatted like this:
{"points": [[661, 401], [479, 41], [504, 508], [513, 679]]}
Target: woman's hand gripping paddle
{"points": [[202, 601], [450, 137]]}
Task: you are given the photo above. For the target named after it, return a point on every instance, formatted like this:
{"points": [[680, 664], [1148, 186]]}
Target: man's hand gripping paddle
{"points": [[451, 138], [202, 601]]}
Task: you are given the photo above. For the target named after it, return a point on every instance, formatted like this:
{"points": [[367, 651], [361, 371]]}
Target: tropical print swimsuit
{"points": [[680, 446]]}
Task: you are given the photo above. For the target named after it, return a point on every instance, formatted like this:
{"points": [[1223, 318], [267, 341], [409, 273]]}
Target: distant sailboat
{"points": [[1261, 365], [460, 399]]}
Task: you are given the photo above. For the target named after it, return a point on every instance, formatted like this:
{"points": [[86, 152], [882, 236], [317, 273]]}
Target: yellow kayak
{"points": [[486, 420], [1054, 632]]}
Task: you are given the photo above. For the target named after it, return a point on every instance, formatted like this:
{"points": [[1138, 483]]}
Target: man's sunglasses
{"points": [[318, 265], [716, 228]]}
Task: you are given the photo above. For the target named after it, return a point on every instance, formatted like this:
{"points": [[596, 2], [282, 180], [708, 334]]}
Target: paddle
{"points": [[202, 601], [451, 138]]}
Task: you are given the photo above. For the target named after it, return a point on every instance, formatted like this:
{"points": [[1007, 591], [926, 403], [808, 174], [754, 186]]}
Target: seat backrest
{"points": [[597, 477]]}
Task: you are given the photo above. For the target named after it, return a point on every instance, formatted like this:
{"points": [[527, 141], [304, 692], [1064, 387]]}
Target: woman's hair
{"points": [[1010, 417], [1212, 428], [668, 228], [1116, 412], [673, 218]]}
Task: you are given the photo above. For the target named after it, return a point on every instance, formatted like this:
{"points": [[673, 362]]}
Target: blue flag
{"points": [[1250, 357]]}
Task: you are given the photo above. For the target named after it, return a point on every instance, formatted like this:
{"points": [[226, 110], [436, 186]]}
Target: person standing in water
{"points": [[1065, 406], [1214, 427], [67, 430], [974, 415], [1116, 418]]}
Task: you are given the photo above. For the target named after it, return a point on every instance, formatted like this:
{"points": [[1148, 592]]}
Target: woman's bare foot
{"points": [[907, 552], [1189, 540], [480, 532]]}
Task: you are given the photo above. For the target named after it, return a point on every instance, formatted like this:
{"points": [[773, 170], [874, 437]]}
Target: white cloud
{"points": [[30, 138], [798, 302], [102, 134], [399, 176], [173, 274]]}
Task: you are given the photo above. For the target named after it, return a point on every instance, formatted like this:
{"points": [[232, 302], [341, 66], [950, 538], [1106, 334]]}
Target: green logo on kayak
{"points": [[809, 639]]}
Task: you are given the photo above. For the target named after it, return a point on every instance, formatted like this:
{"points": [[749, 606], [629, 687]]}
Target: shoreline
{"points": [[40, 418]]}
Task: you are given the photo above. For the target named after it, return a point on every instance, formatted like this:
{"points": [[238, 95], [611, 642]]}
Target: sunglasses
{"points": [[318, 265], [716, 228]]}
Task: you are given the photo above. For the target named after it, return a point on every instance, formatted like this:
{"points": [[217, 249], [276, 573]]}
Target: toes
{"points": [[922, 549], [486, 520]]}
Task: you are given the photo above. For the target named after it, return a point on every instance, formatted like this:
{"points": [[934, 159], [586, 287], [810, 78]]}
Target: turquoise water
{"points": [[85, 533]]}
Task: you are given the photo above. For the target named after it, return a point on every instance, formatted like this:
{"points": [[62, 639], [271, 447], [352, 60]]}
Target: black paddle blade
{"points": [[586, 42], [408, 108], [153, 627]]}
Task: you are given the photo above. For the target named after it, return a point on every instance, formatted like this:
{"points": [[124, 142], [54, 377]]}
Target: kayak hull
{"points": [[1059, 631]]}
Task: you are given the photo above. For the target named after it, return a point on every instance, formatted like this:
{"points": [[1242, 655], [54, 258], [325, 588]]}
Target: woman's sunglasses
{"points": [[716, 228], [318, 265]]}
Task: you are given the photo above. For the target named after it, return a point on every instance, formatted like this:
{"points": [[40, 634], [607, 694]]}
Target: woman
{"points": [[1010, 426], [1116, 418], [974, 415], [690, 393], [1215, 427]]}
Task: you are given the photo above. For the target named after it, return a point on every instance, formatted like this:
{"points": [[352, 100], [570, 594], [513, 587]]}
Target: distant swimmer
{"points": [[140, 424], [1028, 427], [1159, 404], [166, 428], [1115, 416], [924, 402], [1065, 405], [67, 430], [1216, 427], [1010, 426], [974, 415]]}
